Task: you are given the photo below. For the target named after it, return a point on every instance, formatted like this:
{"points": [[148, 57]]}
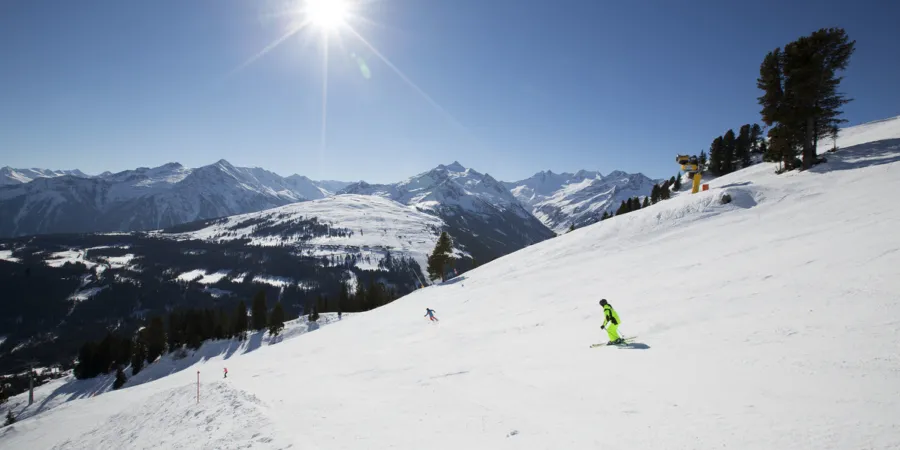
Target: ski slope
{"points": [[58, 392], [771, 321]]}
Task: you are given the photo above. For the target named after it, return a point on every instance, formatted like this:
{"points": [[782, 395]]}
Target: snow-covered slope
{"points": [[479, 211], [562, 199], [60, 391], [143, 198], [10, 176], [767, 322], [374, 225]]}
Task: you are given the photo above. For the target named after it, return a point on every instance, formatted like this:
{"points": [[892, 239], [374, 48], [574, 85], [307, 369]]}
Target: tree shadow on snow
{"points": [[863, 155], [77, 389]]}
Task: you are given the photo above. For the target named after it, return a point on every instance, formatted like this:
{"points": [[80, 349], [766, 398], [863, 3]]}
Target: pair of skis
{"points": [[626, 341]]}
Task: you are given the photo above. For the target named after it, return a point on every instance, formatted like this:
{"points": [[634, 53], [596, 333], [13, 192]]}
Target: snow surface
{"points": [[379, 226], [767, 322], [6, 255], [118, 262], [59, 259], [58, 392], [85, 294], [201, 276]]}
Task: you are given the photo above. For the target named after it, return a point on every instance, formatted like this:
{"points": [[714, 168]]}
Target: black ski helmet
{"points": [[603, 302]]}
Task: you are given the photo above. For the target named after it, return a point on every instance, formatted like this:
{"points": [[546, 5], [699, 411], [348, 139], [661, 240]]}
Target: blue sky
{"points": [[515, 86]]}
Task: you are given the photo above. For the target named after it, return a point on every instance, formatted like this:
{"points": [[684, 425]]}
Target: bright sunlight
{"points": [[327, 14]]}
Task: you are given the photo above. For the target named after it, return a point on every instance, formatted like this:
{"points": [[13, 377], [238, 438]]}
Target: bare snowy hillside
{"points": [[766, 321], [376, 226]]}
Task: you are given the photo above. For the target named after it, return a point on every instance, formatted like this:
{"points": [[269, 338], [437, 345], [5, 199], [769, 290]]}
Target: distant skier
{"points": [[225, 372], [339, 315], [430, 314], [611, 317]]}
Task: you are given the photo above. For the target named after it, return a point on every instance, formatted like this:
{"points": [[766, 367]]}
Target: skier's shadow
{"points": [[635, 346]]}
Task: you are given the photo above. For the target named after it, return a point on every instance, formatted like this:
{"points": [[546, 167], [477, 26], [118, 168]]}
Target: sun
{"points": [[327, 15]]}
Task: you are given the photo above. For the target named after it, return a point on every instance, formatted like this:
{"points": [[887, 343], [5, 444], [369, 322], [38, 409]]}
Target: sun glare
{"points": [[327, 14]]}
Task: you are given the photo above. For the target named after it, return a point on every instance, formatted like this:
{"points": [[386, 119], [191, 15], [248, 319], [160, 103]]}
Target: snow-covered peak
{"points": [[559, 200], [11, 176], [455, 166]]}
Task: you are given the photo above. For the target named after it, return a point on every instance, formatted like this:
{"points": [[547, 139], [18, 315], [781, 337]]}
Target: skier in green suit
{"points": [[611, 323]]}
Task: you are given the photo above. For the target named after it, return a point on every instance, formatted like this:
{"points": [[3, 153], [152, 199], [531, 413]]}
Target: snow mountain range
{"points": [[40, 201], [481, 214], [560, 200]]}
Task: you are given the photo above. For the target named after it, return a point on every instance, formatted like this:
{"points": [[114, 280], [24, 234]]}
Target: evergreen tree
{"points": [[800, 92], [782, 147], [702, 160], [764, 149], [605, 215], [361, 298], [376, 294], [314, 315], [194, 329], [222, 330], [344, 298], [85, 366], [728, 150], [156, 339], [572, 227], [755, 138], [176, 330], [10, 418], [259, 311], [623, 208], [677, 184], [665, 190], [655, 194], [646, 202], [440, 257], [139, 354], [716, 156], [240, 320], [742, 147], [276, 320], [120, 378]]}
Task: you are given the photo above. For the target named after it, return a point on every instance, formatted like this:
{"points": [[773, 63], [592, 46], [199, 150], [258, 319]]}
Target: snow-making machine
{"points": [[691, 166]]}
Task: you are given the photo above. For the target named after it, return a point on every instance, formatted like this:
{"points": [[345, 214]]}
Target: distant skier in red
{"points": [[225, 371], [430, 314]]}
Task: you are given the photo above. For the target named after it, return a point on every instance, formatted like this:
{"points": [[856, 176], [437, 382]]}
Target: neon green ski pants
{"points": [[612, 330]]}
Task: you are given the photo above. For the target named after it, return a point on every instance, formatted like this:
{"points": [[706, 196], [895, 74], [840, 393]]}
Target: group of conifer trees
{"points": [[659, 192], [800, 100], [189, 328], [728, 152], [184, 328], [800, 105]]}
